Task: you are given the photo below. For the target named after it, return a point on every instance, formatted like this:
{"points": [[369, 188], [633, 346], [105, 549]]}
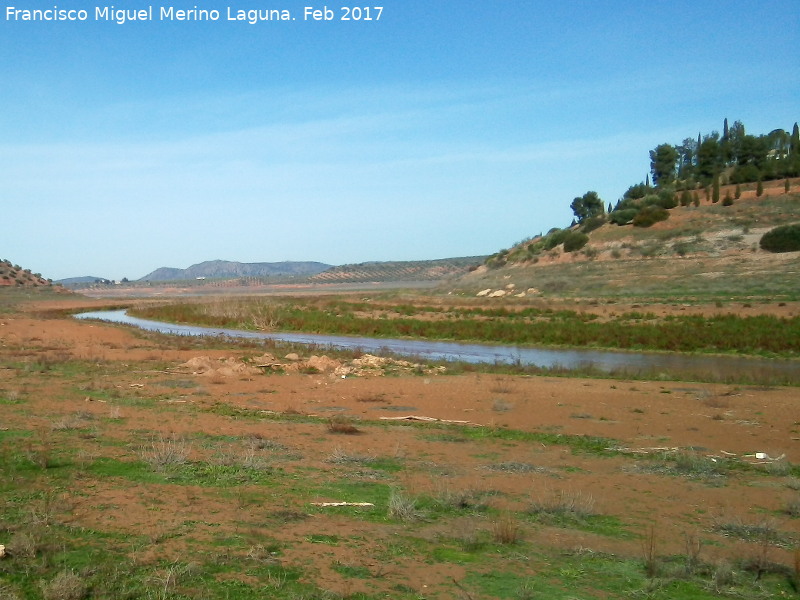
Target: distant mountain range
{"points": [[225, 269], [414, 270], [310, 272]]}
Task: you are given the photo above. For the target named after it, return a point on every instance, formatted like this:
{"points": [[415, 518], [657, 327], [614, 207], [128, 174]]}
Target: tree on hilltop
{"points": [[687, 151], [709, 158], [662, 164], [586, 206]]}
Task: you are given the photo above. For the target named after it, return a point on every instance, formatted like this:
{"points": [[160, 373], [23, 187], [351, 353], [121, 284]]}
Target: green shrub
{"points": [[624, 216], [575, 240], [554, 238], [785, 238], [592, 223], [650, 215], [640, 190], [497, 260], [667, 199], [746, 173]]}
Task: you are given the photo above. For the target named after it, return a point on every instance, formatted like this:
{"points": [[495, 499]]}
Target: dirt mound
{"points": [[219, 367], [377, 365], [366, 365]]}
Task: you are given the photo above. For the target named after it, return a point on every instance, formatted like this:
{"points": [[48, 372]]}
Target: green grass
{"points": [[525, 326], [62, 486], [597, 575]]}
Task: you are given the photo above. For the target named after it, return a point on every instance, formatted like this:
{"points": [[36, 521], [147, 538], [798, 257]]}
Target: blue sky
{"points": [[443, 129]]}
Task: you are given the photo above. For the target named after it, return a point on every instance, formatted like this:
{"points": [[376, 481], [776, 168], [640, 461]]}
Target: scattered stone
{"points": [[366, 365], [484, 292], [265, 359], [209, 367]]}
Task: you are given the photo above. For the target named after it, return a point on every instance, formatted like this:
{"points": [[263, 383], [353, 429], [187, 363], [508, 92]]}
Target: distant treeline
{"points": [[677, 176], [734, 155]]}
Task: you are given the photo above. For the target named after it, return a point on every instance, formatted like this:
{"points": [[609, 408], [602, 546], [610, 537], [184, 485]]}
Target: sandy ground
{"points": [[153, 397]]}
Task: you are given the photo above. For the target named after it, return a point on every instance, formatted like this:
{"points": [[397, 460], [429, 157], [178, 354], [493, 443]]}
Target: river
{"points": [[715, 367]]}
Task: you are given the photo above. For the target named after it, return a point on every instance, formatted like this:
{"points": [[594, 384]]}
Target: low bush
{"points": [[555, 238], [623, 216], [592, 223], [785, 238], [637, 191], [575, 240], [342, 424], [650, 215], [667, 198]]}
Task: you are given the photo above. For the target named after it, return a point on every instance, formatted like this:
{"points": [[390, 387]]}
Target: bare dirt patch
{"points": [[175, 459]]}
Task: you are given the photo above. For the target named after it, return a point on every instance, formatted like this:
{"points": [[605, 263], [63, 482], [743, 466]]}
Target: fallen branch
{"points": [[327, 504], [642, 450], [429, 420]]}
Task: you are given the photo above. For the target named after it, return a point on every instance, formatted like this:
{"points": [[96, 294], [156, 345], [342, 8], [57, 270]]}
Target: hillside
{"points": [[81, 281], [223, 269], [711, 248], [422, 270], [12, 275]]}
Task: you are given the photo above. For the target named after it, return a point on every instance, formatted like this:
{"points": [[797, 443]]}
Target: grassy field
{"points": [[122, 476], [96, 506]]}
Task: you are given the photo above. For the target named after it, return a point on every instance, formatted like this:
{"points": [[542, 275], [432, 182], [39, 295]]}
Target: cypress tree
{"points": [[786, 185], [715, 197], [759, 188], [725, 129], [697, 152], [738, 193]]}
